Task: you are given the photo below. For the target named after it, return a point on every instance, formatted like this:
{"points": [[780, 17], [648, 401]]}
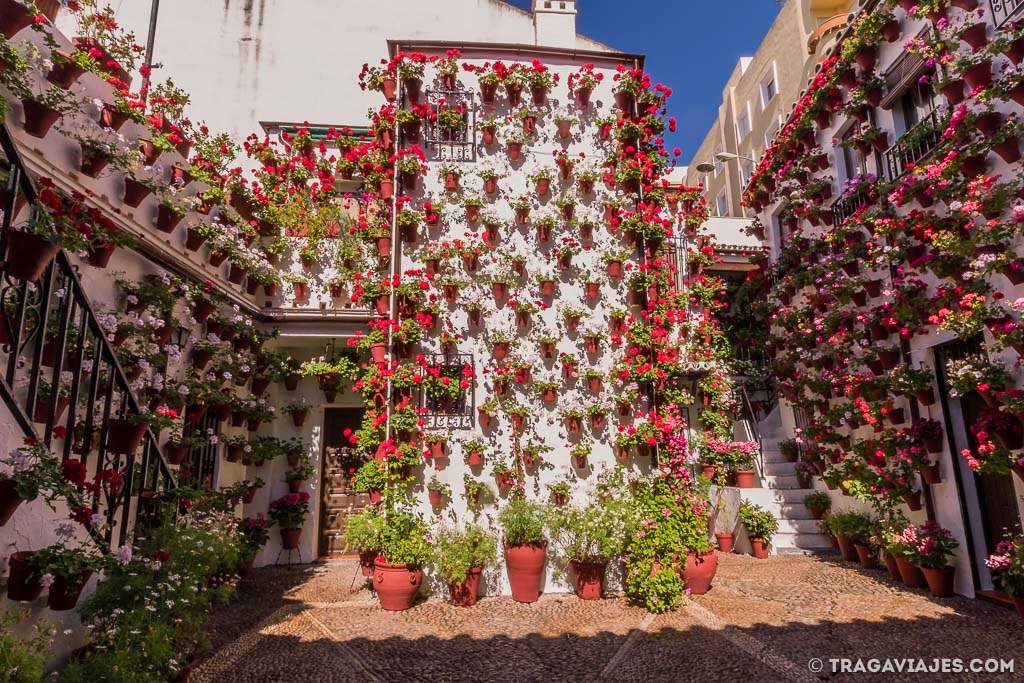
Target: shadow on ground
{"points": [[763, 621]]}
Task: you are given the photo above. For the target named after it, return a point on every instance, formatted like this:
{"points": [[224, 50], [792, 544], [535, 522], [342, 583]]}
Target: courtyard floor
{"points": [[763, 620]]}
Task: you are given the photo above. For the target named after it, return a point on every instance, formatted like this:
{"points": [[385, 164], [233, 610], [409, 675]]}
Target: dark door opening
{"points": [[337, 500]]}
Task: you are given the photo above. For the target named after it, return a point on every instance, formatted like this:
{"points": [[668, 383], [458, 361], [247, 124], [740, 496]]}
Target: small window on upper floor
{"points": [[768, 87], [742, 124], [716, 161], [746, 171], [771, 132], [722, 204]]}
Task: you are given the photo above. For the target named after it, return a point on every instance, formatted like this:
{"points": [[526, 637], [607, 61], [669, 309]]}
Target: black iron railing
{"points": [[61, 379], [914, 145], [847, 205], [1005, 10]]}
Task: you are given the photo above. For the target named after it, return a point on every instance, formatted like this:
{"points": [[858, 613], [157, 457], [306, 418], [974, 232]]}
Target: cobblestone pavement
{"points": [[763, 620]]}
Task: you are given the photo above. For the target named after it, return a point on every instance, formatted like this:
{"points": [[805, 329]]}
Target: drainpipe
{"points": [[153, 12]]}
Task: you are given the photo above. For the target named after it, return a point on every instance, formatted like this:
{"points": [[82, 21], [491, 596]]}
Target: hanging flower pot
{"points": [[975, 35], [564, 129], [913, 500], [28, 255], [625, 101], [594, 384], [867, 57], [64, 593], [39, 118], [522, 319], [539, 95], [514, 150], [978, 75], [1008, 150], [123, 437], [529, 124], [9, 500], [593, 344], [24, 584]]}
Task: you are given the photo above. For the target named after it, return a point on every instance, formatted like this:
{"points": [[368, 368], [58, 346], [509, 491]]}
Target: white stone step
{"points": [[779, 469], [795, 511], [789, 482], [775, 457], [801, 540]]}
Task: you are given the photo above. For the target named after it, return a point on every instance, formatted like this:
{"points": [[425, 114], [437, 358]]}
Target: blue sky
{"points": [[690, 46]]}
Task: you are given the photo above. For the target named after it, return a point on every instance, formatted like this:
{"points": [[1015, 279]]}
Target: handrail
{"points": [[900, 155], [51, 324], [754, 430]]}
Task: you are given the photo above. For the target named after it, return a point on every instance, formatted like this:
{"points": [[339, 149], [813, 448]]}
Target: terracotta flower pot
{"points": [[940, 581], [9, 500], [588, 578], [123, 437], [23, 583], [525, 564], [396, 585], [725, 542], [760, 547], [700, 571], [745, 479], [64, 594], [866, 555], [28, 255], [910, 574], [465, 594], [846, 548], [39, 118], [290, 538]]}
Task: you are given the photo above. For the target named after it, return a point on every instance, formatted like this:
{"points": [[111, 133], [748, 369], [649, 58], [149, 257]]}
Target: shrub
{"points": [[456, 551], [819, 500], [759, 522], [523, 523]]}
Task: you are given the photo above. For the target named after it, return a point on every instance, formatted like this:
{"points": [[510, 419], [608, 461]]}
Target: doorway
{"points": [[337, 500], [988, 499]]}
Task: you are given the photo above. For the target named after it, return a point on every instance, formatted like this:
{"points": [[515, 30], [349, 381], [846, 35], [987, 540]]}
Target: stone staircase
{"points": [[782, 496]]}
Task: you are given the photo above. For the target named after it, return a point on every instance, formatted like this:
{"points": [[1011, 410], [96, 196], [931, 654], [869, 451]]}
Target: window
{"points": [[716, 161], [746, 170], [743, 124], [722, 204], [916, 104], [769, 135], [768, 87], [854, 163]]}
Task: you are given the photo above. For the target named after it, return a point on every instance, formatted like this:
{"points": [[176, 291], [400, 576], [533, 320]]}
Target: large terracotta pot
{"points": [[23, 584], [699, 572], [940, 581], [525, 564], [290, 538], [760, 547], [909, 574], [64, 594], [464, 594], [589, 578], [846, 548], [396, 585]]}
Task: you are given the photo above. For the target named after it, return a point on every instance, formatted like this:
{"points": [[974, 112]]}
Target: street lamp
{"points": [[705, 168], [729, 156]]}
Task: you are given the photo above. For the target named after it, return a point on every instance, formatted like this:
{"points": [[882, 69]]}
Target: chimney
{"points": [[555, 23]]}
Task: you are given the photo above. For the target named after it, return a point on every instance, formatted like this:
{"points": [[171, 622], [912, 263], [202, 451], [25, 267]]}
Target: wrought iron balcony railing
{"points": [[914, 145], [60, 377], [847, 205], [1005, 10]]}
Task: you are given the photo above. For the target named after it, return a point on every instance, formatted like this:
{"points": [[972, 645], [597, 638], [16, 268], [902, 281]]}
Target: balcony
{"points": [[1005, 10], [914, 145], [847, 205]]}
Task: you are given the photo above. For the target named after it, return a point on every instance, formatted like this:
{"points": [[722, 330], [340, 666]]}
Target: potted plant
{"points": [[934, 546], [1007, 566], [65, 570], [364, 533], [761, 525], [298, 474], [438, 491], [523, 526], [819, 503], [397, 572], [289, 512], [298, 409], [460, 554], [33, 466], [588, 537]]}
